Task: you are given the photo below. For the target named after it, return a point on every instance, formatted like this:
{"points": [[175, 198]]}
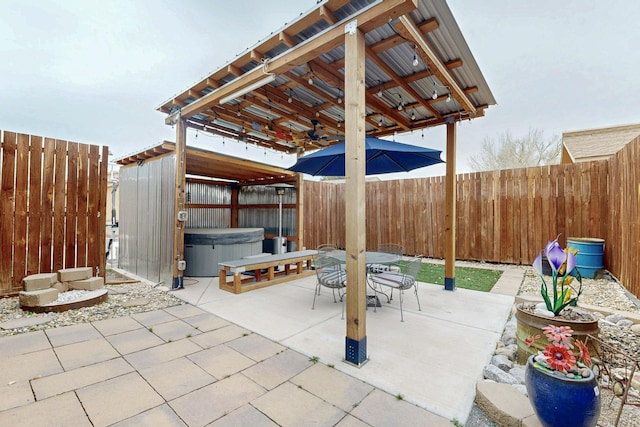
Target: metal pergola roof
{"points": [[302, 107]]}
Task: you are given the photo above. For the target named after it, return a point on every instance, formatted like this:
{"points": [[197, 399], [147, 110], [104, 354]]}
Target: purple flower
{"points": [[537, 263], [555, 255], [571, 262]]}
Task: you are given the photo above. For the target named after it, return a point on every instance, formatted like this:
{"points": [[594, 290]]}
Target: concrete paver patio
{"points": [[252, 362]]}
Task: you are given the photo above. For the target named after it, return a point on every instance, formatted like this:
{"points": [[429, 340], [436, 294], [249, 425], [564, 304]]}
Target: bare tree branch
{"points": [[507, 152]]}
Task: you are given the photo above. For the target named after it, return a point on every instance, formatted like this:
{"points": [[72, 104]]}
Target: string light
{"points": [[449, 98], [415, 55], [413, 114], [310, 81], [400, 104]]}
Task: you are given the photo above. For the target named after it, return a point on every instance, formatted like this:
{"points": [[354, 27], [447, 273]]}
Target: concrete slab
{"points": [[118, 399], [133, 341], [219, 336], [206, 322], [24, 343], [502, 403], [333, 386], [176, 378], [351, 421], [116, 325], [256, 347], [85, 353], [307, 410], [134, 302], [77, 378], [382, 409], [15, 394], [221, 361], [59, 411], [163, 353], [38, 297], [160, 416], [72, 334], [175, 330], [246, 415], [71, 274], [34, 282], [151, 318], [196, 408], [28, 366], [90, 284], [25, 322], [278, 369], [184, 311]]}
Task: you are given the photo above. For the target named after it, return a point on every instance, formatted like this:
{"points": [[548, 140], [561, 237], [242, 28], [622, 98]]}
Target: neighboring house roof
{"points": [[596, 144]]}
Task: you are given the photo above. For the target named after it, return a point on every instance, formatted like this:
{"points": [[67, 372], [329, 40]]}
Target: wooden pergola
{"points": [[343, 70]]}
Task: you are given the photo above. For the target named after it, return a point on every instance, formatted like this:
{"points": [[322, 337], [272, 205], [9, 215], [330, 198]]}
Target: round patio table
{"points": [[371, 258]]}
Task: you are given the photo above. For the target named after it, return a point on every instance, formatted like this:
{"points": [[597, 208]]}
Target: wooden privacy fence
{"points": [[502, 216], [52, 197]]}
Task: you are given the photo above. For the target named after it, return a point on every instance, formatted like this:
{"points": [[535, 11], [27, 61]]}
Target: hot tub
{"points": [[205, 248]]}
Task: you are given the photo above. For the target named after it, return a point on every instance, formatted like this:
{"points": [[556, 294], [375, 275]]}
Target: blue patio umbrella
{"points": [[381, 157]]}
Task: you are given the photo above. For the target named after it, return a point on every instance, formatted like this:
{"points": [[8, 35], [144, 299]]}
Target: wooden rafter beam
{"points": [[404, 85], [368, 18], [406, 27]]}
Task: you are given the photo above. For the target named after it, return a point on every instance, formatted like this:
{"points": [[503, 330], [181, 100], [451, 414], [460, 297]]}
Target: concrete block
{"points": [[90, 284], [73, 274], [502, 404], [61, 286], [38, 298], [34, 282]]}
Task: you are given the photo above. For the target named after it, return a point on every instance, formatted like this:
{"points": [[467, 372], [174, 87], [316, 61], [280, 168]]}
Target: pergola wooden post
{"points": [[178, 234], [450, 210], [356, 339]]}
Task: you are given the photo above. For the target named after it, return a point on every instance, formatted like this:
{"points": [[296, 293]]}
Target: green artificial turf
{"points": [[477, 279]]}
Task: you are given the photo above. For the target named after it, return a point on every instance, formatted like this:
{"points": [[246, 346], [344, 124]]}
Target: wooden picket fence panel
{"points": [[504, 216], [52, 198]]}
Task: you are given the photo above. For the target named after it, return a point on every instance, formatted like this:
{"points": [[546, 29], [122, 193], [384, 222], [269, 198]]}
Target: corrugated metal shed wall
{"points": [[267, 218], [198, 192], [146, 219], [146, 215]]}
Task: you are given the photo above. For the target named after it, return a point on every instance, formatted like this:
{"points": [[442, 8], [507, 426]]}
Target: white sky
{"points": [[95, 71]]}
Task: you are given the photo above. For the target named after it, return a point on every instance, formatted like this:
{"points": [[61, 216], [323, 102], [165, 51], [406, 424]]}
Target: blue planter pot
{"points": [[562, 402]]}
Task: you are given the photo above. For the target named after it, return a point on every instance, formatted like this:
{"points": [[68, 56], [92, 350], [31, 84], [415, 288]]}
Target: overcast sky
{"points": [[95, 71]]}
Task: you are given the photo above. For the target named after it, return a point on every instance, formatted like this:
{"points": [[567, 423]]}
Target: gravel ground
{"points": [[142, 296]]}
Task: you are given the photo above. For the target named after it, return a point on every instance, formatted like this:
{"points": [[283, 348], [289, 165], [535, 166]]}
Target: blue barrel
{"points": [[590, 256]]}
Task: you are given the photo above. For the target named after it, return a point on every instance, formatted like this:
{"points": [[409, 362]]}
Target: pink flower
{"points": [[558, 334]]}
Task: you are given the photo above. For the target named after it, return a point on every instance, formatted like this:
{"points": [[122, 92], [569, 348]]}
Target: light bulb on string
{"points": [[449, 98], [415, 55]]}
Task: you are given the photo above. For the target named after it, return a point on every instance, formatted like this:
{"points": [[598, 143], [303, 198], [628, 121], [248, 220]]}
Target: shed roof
{"points": [[285, 92], [204, 163], [595, 144]]}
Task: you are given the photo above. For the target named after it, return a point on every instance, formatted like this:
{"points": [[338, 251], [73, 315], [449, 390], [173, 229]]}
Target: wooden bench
{"points": [[268, 263]]}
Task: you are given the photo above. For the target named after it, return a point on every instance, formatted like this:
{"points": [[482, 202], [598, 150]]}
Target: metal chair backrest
{"points": [[391, 248], [412, 267], [326, 248]]}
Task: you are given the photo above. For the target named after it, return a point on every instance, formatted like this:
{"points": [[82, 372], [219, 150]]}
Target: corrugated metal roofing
{"points": [[265, 116]]}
